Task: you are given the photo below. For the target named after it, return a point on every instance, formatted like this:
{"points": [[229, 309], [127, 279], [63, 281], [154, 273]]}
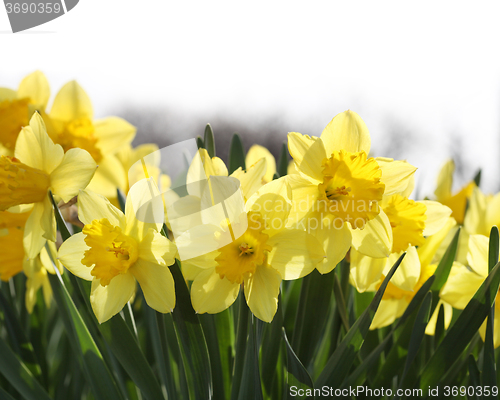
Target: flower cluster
{"points": [[248, 229]]}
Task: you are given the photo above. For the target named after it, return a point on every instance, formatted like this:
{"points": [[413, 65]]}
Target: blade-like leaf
{"points": [[462, 331], [298, 379], [339, 364], [19, 375], [251, 387], [236, 154], [444, 266], [199, 142], [282, 169], [209, 141], [191, 340], [240, 346]]}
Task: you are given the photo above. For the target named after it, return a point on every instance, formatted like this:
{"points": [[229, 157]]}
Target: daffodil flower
{"points": [[395, 300], [13, 259], [74, 126], [40, 166], [16, 107], [458, 201], [464, 281], [338, 188], [114, 250], [411, 221], [255, 258]]}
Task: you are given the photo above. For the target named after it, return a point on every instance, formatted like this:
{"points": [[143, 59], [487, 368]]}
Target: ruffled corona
{"points": [[21, 184], [80, 133], [111, 252], [351, 187], [407, 218], [242, 256]]}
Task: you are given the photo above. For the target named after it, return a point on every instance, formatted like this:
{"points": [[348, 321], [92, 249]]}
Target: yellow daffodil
{"points": [[72, 117], [395, 300], [410, 221], [16, 107], [257, 152], [14, 260], [255, 251], [464, 281], [40, 165], [457, 202], [338, 188], [115, 249]]}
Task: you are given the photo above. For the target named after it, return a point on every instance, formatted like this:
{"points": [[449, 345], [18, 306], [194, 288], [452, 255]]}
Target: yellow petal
{"points": [[156, 248], [40, 226], [36, 87], [407, 274], [396, 175], [71, 103], [211, 294], [201, 168], [273, 202], [294, 253], [461, 286], [113, 133], [427, 251], [255, 154], [387, 312], [375, 239], [109, 300], [190, 271], [445, 181], [365, 271], [437, 216], [304, 198], [156, 283], [478, 254], [35, 149], [143, 209], [34, 281], [110, 175], [261, 292], [496, 330], [251, 180], [474, 220], [93, 206], [308, 154], [492, 215], [220, 168], [71, 253], [346, 131], [184, 214], [430, 329], [336, 241], [74, 173], [7, 94]]}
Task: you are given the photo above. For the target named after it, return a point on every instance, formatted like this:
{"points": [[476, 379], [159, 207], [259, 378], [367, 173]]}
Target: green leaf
{"points": [[251, 387], [314, 305], [236, 154], [124, 346], [199, 142], [210, 330], [191, 340], [19, 376], [493, 248], [417, 334], [271, 345], [474, 376], [209, 141], [341, 304], [394, 361], [444, 266], [477, 178], [240, 346], [225, 335], [282, 168], [84, 348], [339, 364], [462, 331], [297, 375], [122, 199]]}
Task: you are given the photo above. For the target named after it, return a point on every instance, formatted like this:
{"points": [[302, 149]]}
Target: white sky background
{"points": [[434, 66]]}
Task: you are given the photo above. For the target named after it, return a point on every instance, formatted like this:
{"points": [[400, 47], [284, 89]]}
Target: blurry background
{"points": [[425, 77]]}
